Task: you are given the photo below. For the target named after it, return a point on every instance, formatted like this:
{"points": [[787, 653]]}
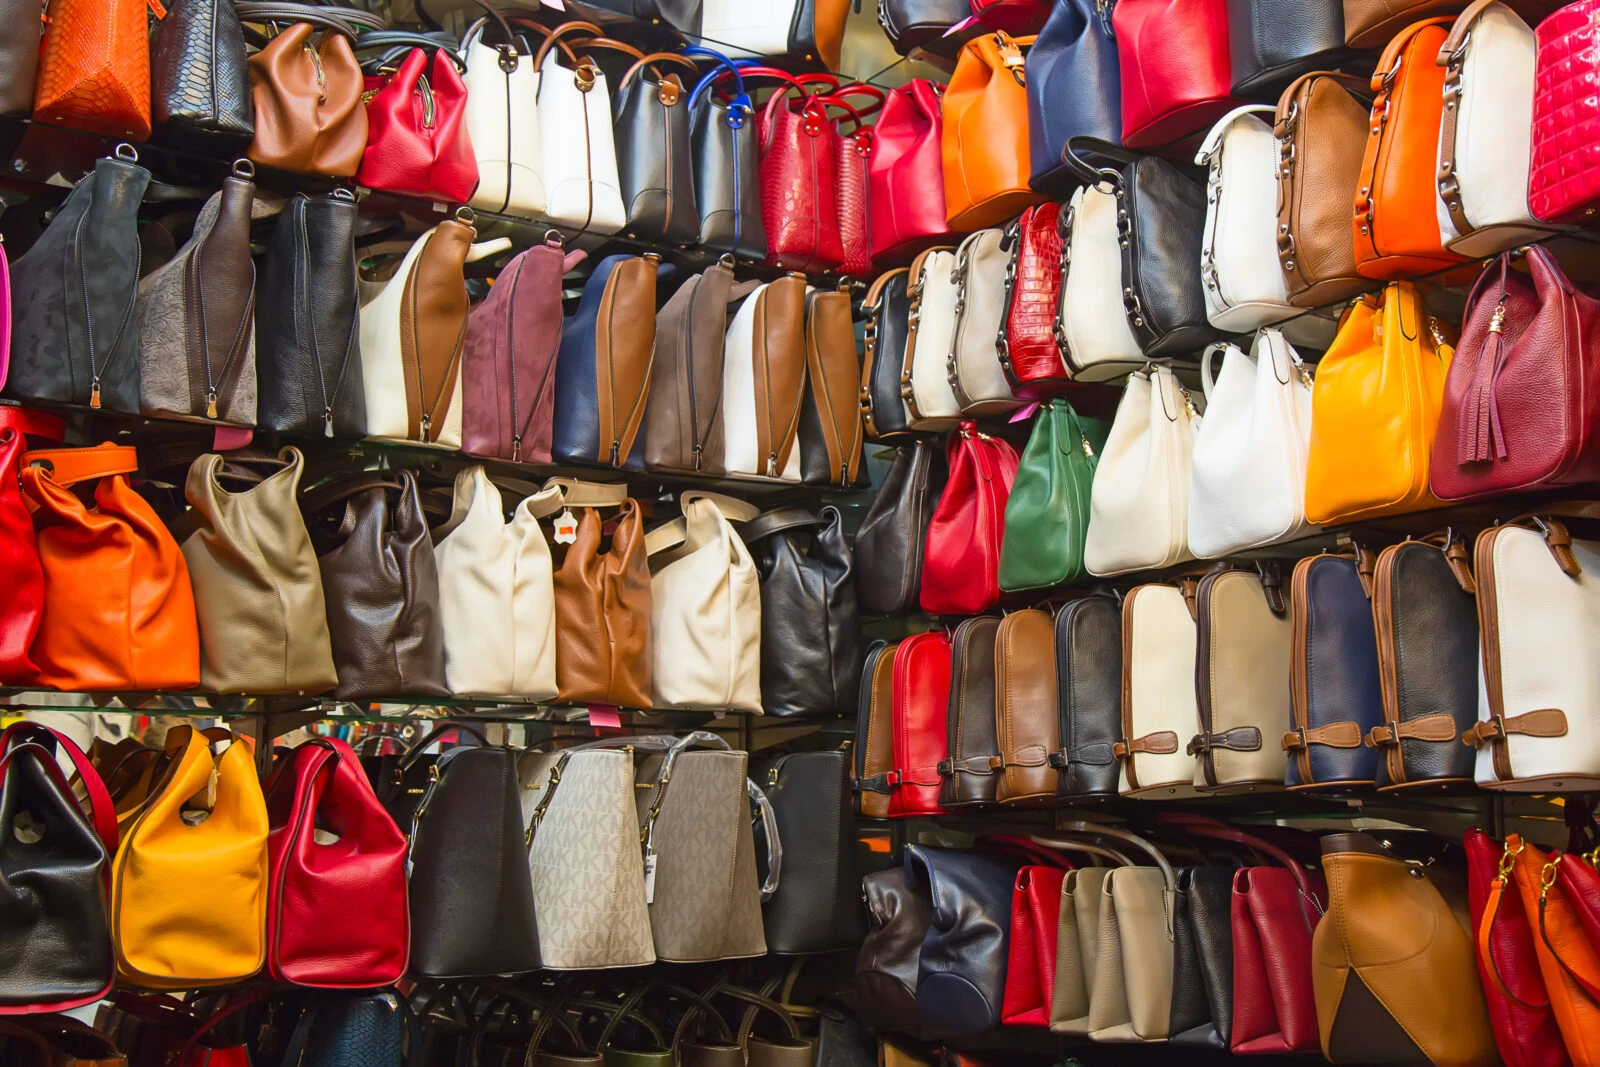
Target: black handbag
{"points": [[1206, 894], [200, 96], [1162, 230], [1273, 42], [890, 539], [401, 779], [343, 1030], [75, 295], [966, 776], [911, 24], [308, 336], [817, 906], [888, 311], [899, 912], [471, 893], [722, 139], [650, 125], [1089, 688], [961, 970], [19, 56], [681, 15], [810, 627], [1074, 91]]}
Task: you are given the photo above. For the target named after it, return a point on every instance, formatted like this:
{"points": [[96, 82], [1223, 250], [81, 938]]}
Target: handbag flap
{"points": [[1026, 706], [969, 772]]}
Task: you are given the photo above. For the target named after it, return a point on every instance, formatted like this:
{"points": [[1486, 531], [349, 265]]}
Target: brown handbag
{"points": [[1373, 23], [309, 115], [94, 69], [830, 430], [602, 596], [1027, 715], [875, 732]]}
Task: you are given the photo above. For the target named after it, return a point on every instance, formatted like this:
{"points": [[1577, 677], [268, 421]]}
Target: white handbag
{"points": [[976, 377], [747, 27], [1159, 710], [1139, 505], [1539, 621], [1100, 344], [1250, 453], [705, 608], [577, 153], [764, 380], [503, 128], [930, 331]]}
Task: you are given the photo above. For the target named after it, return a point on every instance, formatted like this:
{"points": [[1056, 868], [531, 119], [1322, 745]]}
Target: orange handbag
{"points": [[1567, 960], [118, 607], [94, 70], [986, 160], [1395, 224]]}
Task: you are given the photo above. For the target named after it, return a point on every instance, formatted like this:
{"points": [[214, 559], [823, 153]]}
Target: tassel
{"points": [[1480, 416]]}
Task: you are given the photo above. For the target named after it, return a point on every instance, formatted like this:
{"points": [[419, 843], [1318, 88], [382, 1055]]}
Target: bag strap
{"points": [[769, 826], [247, 999], [32, 423], [1457, 37], [1511, 849], [581, 494], [1547, 881], [1389, 62], [1022, 846], [1203, 826], [650, 60], [417, 748], [1100, 829], [102, 811], [781, 520], [671, 535], [323, 497], [564, 30], [723, 66], [345, 20], [67, 467]]}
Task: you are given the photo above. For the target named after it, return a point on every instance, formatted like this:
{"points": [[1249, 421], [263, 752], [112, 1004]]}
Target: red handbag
{"points": [[337, 915], [1019, 18], [853, 182], [799, 148], [906, 172], [920, 687], [22, 593], [1029, 350], [1179, 50], [1275, 909], [1031, 956], [961, 558], [1563, 168], [417, 140], [1522, 398]]}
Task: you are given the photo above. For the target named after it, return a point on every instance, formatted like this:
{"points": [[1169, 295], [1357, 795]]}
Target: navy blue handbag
{"points": [[961, 972], [1074, 91], [1335, 692]]}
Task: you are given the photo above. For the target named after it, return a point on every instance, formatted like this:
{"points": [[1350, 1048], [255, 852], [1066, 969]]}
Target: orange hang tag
{"points": [[157, 9]]}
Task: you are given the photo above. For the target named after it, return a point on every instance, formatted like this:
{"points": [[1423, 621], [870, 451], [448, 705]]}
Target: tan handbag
{"points": [[602, 610], [310, 118], [1078, 940], [257, 587], [1241, 677], [1027, 715]]}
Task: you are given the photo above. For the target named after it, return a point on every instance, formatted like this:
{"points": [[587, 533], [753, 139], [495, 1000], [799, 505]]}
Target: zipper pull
{"points": [[615, 446], [1088, 449], [772, 465], [1497, 321], [516, 448], [697, 450], [426, 426], [844, 474], [211, 403], [94, 392], [327, 422]]}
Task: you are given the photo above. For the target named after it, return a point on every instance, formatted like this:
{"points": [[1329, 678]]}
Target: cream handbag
{"points": [[1241, 678], [1078, 939], [764, 381], [931, 330], [1249, 483], [577, 154], [748, 27], [976, 377], [705, 608], [1099, 343], [1139, 505], [503, 128], [1159, 709]]}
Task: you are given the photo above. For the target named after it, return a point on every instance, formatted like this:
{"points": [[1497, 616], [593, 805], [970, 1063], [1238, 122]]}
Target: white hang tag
{"points": [[566, 528], [649, 876]]}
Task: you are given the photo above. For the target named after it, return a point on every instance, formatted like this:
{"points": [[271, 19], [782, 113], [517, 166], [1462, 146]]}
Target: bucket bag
{"points": [[1028, 340], [887, 307], [1168, 103], [910, 24], [603, 589], [985, 135], [1027, 712], [504, 136], [874, 754], [417, 138], [764, 381], [727, 185], [920, 689], [890, 541], [1561, 187], [962, 965], [967, 775], [650, 126], [583, 190], [1159, 699], [1094, 335], [906, 169], [899, 913], [1089, 685], [830, 431], [1566, 956], [1047, 513], [1074, 90], [925, 381], [817, 906], [977, 377], [199, 79], [1335, 694], [1273, 42], [22, 600], [1243, 634], [961, 566], [94, 68]]}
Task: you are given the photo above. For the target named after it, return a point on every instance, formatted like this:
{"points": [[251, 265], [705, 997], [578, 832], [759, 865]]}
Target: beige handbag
{"points": [[976, 376], [1241, 679], [257, 588], [1159, 709], [1078, 940], [705, 608]]}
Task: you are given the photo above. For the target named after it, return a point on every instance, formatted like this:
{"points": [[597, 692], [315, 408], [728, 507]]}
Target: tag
{"points": [[604, 715], [557, 4], [566, 528], [649, 876], [156, 9], [1025, 413], [228, 438], [958, 27]]}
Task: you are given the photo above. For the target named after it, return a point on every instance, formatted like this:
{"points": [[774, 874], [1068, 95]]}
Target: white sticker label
{"points": [[650, 876], [566, 528]]}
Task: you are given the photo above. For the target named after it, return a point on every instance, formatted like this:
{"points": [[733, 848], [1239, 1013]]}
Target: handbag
{"points": [[118, 607], [911, 24], [1375, 410], [817, 906], [1047, 513], [764, 381], [967, 775], [75, 293], [1561, 188], [22, 599], [875, 743], [1094, 334], [1520, 329], [830, 431], [603, 589], [1078, 942], [189, 902], [650, 126], [727, 184], [1027, 710], [199, 79], [890, 541], [985, 135], [1169, 103], [1161, 231], [257, 590], [604, 364], [1028, 339], [810, 628], [977, 377], [1139, 502], [1372, 23], [1160, 702], [1250, 453], [583, 190], [899, 914], [887, 308], [962, 965], [182, 373], [925, 384], [920, 687], [799, 163], [749, 27], [1030, 970], [1427, 630], [1242, 659], [307, 97], [417, 138], [1336, 697], [852, 173], [1564, 954], [381, 583], [1089, 687], [961, 560], [19, 60], [504, 136], [401, 779], [906, 169], [334, 1030], [94, 69], [1271, 43], [1074, 90]]}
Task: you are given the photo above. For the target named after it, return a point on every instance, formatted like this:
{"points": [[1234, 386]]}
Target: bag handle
{"points": [[323, 497], [723, 66], [781, 520], [769, 826], [32, 424], [1389, 61], [616, 1013], [67, 467], [1204, 826], [244, 1000], [575, 493], [345, 20], [758, 1003], [650, 60], [1457, 37], [1100, 829], [1026, 848], [1213, 140], [565, 29], [673, 534], [102, 811]]}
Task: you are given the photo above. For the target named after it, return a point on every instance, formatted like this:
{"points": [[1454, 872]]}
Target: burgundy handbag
{"points": [[906, 172], [799, 148], [961, 560], [920, 694], [853, 184], [22, 593], [1028, 343], [1521, 404], [1179, 49], [1563, 169], [1019, 18]]}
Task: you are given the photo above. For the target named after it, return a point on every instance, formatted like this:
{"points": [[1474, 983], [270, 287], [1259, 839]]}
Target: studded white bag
{"points": [[1100, 345], [976, 377]]}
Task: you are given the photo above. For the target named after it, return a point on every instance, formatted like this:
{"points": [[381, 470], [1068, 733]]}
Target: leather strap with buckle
{"points": [[1095, 754], [949, 768], [1435, 727], [1237, 739], [1160, 743], [1497, 730]]}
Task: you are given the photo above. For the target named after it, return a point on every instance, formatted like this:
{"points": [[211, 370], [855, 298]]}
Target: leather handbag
{"points": [[817, 906], [75, 294], [1520, 328], [189, 902], [257, 590], [417, 139], [727, 184], [381, 584], [1336, 697], [603, 589], [961, 560], [899, 914], [762, 28], [1160, 703], [1250, 453], [764, 381], [874, 752], [1564, 953], [1427, 630], [604, 365], [1047, 513], [830, 433], [1139, 502], [118, 607], [810, 627], [683, 417], [705, 608], [307, 96], [920, 689], [799, 162], [1094, 333], [1089, 686], [401, 779], [890, 541], [199, 79], [1074, 90], [907, 157], [1271, 43], [1078, 949], [985, 136], [1389, 932], [967, 775], [471, 896], [1030, 969], [961, 967], [1172, 100], [1372, 23], [887, 308], [94, 69], [1026, 709], [1028, 339], [22, 600], [1243, 633], [910, 24], [504, 137], [650, 126], [925, 385], [508, 360], [308, 338], [1161, 231], [1561, 186], [583, 190], [336, 912], [1322, 132], [852, 173], [19, 61], [197, 331], [977, 377]]}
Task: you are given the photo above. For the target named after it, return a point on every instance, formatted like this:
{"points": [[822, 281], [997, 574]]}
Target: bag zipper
{"points": [[1388, 682], [511, 343], [214, 384], [425, 424], [96, 373], [697, 444], [1300, 599], [611, 369], [311, 322]]}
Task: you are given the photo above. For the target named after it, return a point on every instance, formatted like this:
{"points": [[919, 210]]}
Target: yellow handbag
{"points": [[189, 890], [1375, 410]]}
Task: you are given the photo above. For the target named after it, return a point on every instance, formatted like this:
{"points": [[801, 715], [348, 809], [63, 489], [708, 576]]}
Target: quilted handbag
{"points": [[764, 381], [977, 377], [1089, 684], [925, 385], [1160, 709], [683, 418], [22, 600], [920, 688], [417, 139], [799, 152], [1242, 658], [906, 170], [1169, 102], [961, 565], [874, 752], [583, 190], [1094, 334], [830, 431], [986, 157], [890, 541], [1562, 187], [504, 136], [1027, 714], [307, 95], [1047, 513], [94, 68], [1273, 42], [1028, 337], [962, 965], [650, 124], [967, 774], [603, 589], [1074, 90], [887, 307], [722, 142], [199, 80]]}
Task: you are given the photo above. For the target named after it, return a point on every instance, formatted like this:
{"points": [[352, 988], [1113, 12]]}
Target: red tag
{"points": [[227, 438], [604, 715], [1025, 413]]}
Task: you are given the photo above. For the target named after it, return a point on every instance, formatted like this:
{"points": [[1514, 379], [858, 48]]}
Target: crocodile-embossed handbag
{"points": [[199, 80], [1027, 343]]}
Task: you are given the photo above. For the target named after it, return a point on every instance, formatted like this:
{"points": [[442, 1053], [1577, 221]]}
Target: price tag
{"points": [[604, 715], [649, 876], [566, 528]]}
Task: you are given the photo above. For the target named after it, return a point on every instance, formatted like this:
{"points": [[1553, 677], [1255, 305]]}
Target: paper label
{"points": [[604, 715], [566, 528], [1025, 413], [649, 876]]}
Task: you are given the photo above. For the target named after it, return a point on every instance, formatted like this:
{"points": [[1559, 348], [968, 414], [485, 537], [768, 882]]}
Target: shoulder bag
{"points": [[1169, 102], [1077, 945], [977, 377], [1047, 513], [749, 27], [307, 95], [887, 307], [199, 79], [502, 128], [891, 539], [1031, 965], [1161, 231], [799, 152], [94, 68], [967, 775], [1094, 333], [899, 914], [603, 590], [830, 431], [1089, 688], [1249, 483], [920, 689], [817, 907], [1273, 42], [23, 596], [727, 184], [19, 60], [1074, 90], [1562, 186], [582, 187], [1375, 410], [1159, 698], [650, 125], [852, 188], [1028, 338], [1139, 503], [986, 156], [1027, 714], [962, 965], [1565, 954], [417, 139], [1372, 23], [925, 380], [118, 607], [1335, 694], [874, 753], [961, 567], [911, 24], [906, 170], [764, 381], [1241, 666]]}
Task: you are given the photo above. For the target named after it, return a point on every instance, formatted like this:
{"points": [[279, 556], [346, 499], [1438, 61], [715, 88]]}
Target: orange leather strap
{"points": [[69, 466], [1545, 722], [1334, 735], [1436, 727]]}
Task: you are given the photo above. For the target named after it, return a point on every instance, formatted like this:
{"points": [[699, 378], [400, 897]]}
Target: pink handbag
{"points": [[906, 172], [1564, 171]]}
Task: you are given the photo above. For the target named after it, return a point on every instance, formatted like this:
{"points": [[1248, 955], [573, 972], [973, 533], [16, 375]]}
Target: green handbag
{"points": [[1047, 516]]}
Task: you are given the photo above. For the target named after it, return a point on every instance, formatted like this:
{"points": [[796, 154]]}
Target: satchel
{"points": [[417, 139], [810, 627], [1250, 453], [962, 965], [199, 79], [1561, 186], [1074, 90], [189, 902], [197, 331], [890, 540], [1336, 697], [925, 383], [817, 906], [764, 380], [1273, 42], [911, 24], [1047, 513], [1027, 712], [905, 172], [899, 913], [583, 190], [961, 567], [650, 125], [875, 737], [94, 68], [75, 293], [1159, 699], [1241, 672], [1094, 334], [118, 607], [1089, 688], [830, 431], [683, 417], [967, 775], [722, 140], [1139, 503], [887, 308], [977, 377], [1375, 410], [1028, 339], [309, 114], [22, 598], [920, 687], [504, 136], [985, 147], [1168, 102], [603, 612], [19, 60]]}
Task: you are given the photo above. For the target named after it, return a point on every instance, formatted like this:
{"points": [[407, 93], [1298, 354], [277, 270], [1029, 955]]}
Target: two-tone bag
{"points": [[1241, 675], [874, 752], [1159, 704], [764, 381], [887, 307]]}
